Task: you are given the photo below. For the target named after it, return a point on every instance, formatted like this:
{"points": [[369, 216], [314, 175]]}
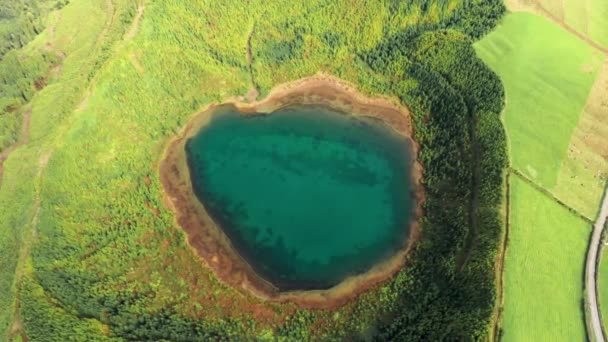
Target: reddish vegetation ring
{"points": [[210, 243]]}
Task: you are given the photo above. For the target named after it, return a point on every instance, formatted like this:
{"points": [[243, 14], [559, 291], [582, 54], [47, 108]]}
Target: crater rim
{"points": [[211, 244]]}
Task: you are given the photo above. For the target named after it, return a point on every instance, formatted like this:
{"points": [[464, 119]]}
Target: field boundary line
{"points": [[500, 301], [550, 195], [542, 11]]}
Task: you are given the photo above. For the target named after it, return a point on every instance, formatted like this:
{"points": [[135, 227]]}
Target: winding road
{"points": [[591, 273]]}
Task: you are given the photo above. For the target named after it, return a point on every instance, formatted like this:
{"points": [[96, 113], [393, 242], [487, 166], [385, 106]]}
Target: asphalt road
{"points": [[591, 272]]}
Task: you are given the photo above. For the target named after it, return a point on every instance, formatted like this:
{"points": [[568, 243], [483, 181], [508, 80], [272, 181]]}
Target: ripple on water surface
{"points": [[307, 195]]}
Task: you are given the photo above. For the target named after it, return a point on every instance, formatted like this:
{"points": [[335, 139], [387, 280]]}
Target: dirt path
{"points": [[29, 235], [23, 138], [500, 262], [591, 272], [25, 125], [16, 328], [135, 25], [112, 15]]}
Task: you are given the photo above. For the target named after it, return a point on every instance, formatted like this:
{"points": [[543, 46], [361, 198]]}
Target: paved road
{"points": [[591, 272]]}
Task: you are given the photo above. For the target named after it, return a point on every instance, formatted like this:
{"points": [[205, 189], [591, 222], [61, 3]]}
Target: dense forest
{"points": [[464, 156], [108, 262]]}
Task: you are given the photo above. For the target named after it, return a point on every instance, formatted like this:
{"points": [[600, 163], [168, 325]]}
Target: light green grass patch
{"points": [[584, 171], [587, 17], [547, 73], [590, 17], [543, 269]]}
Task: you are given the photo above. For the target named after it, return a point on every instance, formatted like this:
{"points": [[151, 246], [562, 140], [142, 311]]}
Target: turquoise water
{"points": [[308, 196]]}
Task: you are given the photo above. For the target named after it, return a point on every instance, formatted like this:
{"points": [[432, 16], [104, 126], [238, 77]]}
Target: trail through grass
{"points": [[19, 201]]}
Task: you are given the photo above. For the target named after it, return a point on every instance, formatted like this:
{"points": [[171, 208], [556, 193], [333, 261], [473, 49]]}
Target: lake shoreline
{"points": [[212, 245]]}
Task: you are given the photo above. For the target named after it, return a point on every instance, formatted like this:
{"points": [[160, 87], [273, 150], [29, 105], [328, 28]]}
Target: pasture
{"points": [[544, 269], [555, 123], [545, 98], [587, 17]]}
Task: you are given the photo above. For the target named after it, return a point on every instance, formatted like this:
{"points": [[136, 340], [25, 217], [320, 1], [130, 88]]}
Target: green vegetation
{"points": [[22, 72], [596, 15], [21, 21], [23, 169], [588, 17], [107, 260], [21, 76], [544, 269], [546, 96], [552, 118]]}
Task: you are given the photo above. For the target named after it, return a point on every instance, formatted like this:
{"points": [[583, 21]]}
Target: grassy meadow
{"points": [[545, 98], [544, 269], [585, 167], [587, 17], [555, 117]]}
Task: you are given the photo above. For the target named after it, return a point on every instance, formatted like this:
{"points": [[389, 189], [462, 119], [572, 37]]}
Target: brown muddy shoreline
{"points": [[211, 244]]}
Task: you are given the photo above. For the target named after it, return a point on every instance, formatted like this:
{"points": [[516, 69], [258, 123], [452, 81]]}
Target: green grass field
{"points": [[547, 119], [545, 98], [589, 17], [544, 269]]}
